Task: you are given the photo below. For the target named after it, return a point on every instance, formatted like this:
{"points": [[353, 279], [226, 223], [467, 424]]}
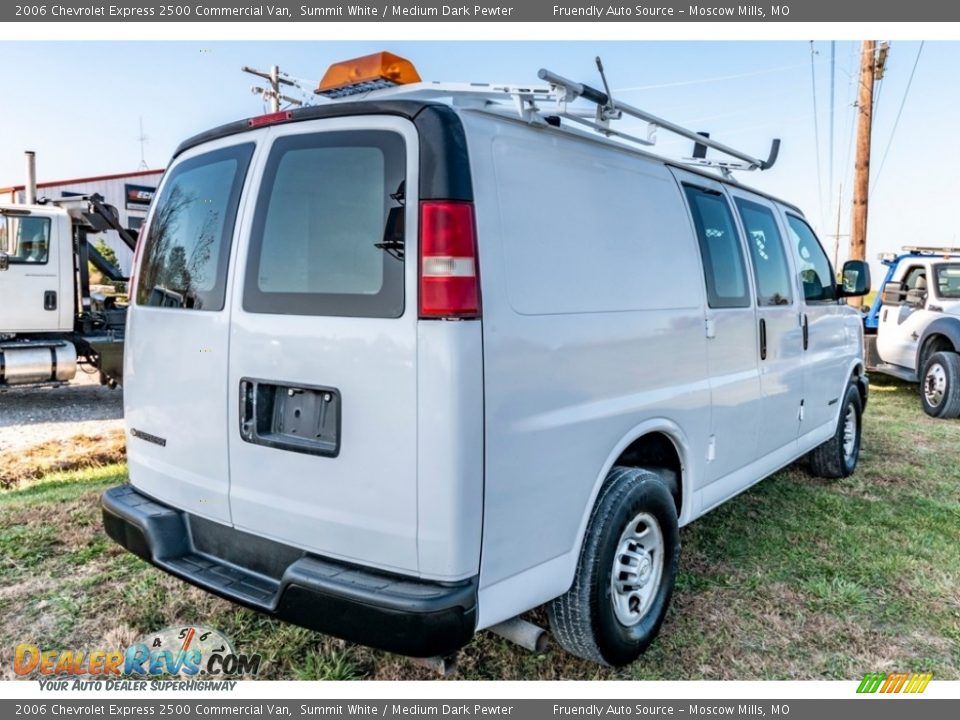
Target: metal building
{"points": [[130, 193]]}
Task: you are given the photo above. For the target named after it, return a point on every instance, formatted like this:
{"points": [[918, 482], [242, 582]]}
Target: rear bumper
{"points": [[391, 612]]}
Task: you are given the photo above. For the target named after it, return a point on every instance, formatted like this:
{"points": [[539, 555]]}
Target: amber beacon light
{"points": [[370, 72]]}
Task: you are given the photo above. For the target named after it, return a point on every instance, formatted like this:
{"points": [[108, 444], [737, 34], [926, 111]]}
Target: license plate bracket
{"points": [[292, 417]]}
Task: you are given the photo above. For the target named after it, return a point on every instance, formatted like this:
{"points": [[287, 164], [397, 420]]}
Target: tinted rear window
{"points": [[188, 240], [328, 231]]}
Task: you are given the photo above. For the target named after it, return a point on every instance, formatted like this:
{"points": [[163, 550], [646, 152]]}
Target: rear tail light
{"points": [[449, 281]]}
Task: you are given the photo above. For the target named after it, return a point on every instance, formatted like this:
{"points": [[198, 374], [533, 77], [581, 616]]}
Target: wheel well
{"points": [[934, 343], [855, 376], [658, 453]]}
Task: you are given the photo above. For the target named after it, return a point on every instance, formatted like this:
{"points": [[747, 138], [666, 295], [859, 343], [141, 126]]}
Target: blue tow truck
{"points": [[912, 329]]}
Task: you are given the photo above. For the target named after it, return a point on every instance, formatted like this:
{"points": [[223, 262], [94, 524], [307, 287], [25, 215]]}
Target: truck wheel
{"points": [[940, 385], [626, 572], [838, 456]]}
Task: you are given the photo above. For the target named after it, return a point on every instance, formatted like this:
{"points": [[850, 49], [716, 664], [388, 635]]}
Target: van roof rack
{"points": [[545, 104]]}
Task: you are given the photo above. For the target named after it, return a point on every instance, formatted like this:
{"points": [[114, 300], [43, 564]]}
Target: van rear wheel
{"points": [[838, 456], [940, 385], [626, 573]]}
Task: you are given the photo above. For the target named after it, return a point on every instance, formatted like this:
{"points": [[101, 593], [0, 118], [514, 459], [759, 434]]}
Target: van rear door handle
{"points": [[806, 332], [763, 339]]}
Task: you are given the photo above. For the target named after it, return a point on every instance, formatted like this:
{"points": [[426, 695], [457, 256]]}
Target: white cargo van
{"points": [[400, 369]]}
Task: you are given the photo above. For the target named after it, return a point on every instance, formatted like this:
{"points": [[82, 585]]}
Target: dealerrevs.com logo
{"points": [[189, 652]]}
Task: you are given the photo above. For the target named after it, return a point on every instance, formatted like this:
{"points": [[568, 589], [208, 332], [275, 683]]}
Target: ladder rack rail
{"points": [[575, 89], [535, 103]]}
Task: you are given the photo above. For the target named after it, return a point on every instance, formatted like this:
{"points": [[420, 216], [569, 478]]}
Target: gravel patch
{"points": [[31, 416]]}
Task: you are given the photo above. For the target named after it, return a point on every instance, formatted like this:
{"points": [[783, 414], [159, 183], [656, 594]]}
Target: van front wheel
{"points": [[838, 456], [625, 576]]}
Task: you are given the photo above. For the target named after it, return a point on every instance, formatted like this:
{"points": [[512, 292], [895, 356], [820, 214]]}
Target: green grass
{"points": [[796, 578]]}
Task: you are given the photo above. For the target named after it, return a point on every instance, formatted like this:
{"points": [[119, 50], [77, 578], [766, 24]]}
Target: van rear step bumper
{"points": [[391, 612]]}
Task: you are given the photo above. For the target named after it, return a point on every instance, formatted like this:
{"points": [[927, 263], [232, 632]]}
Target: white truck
{"points": [[913, 326], [49, 319], [404, 365]]}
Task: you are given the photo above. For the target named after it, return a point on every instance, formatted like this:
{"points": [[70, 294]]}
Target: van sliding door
{"points": [[732, 337]]}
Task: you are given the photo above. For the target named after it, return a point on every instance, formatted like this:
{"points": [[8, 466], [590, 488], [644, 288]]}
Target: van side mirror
{"points": [[892, 294], [855, 279], [4, 261]]}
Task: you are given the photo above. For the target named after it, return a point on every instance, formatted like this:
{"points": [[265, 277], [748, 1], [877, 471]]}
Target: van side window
{"points": [[770, 268], [187, 244], [328, 230], [816, 273], [723, 265]]}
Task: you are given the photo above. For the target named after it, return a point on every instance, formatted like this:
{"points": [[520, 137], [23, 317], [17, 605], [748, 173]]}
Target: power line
{"points": [[854, 84], [878, 85], [833, 109], [716, 78], [876, 102], [816, 130], [896, 122]]}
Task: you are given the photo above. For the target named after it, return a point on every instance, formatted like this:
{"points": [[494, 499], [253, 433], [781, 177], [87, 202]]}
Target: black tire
{"points": [[584, 620], [940, 385], [832, 460]]}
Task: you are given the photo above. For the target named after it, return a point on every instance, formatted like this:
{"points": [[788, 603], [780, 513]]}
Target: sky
{"points": [[79, 105]]}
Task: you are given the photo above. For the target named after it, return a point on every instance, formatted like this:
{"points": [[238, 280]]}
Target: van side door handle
{"points": [[763, 339], [806, 332]]}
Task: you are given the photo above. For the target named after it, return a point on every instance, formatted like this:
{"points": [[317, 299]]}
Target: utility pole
{"points": [[872, 61], [273, 94]]}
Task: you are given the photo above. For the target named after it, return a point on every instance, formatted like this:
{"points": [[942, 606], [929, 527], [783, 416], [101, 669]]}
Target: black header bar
{"points": [[486, 11]]}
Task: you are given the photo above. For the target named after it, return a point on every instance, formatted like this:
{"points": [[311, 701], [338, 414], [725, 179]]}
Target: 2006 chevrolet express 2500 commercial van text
{"points": [[400, 369]]}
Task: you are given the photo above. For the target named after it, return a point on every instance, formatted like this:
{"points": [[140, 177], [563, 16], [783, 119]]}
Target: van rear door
{"points": [[323, 372], [175, 364]]}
